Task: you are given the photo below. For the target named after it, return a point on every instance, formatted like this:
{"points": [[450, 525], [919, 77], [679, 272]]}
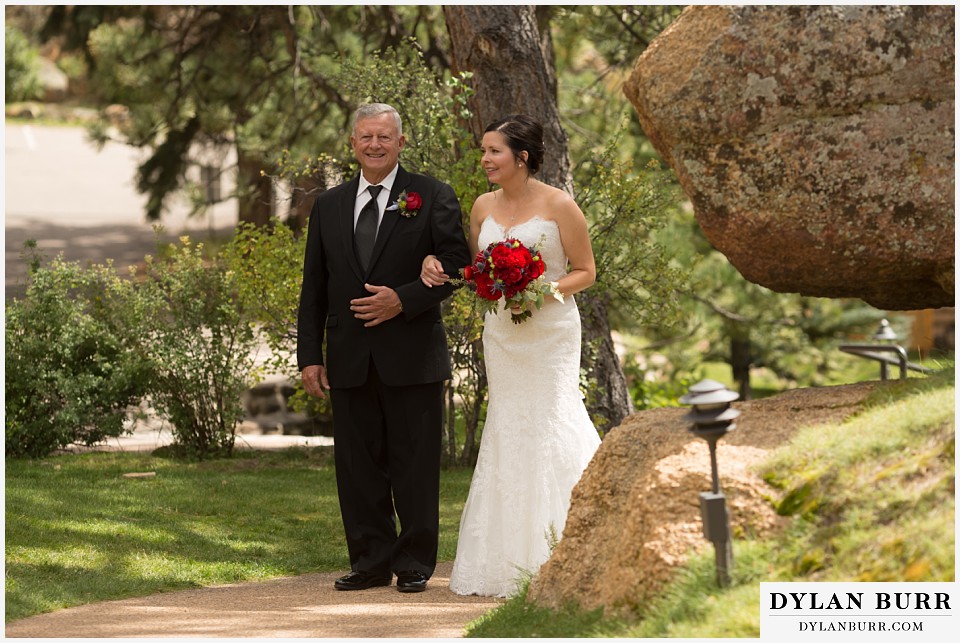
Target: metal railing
{"points": [[874, 352]]}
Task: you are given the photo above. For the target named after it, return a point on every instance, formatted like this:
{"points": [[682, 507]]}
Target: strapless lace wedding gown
{"points": [[537, 439]]}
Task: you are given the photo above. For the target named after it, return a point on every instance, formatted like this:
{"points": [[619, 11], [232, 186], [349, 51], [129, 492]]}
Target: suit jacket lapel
{"points": [[390, 217], [348, 202]]}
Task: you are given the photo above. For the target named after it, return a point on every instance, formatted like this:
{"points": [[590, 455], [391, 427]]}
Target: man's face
{"points": [[377, 144]]}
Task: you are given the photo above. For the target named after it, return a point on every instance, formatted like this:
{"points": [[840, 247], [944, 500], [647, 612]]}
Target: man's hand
{"points": [[315, 380], [381, 306]]}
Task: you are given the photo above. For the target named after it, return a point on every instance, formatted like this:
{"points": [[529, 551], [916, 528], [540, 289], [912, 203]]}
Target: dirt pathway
{"points": [[302, 606]]}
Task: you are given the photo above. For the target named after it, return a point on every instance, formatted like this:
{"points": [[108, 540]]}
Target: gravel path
{"points": [[301, 606]]}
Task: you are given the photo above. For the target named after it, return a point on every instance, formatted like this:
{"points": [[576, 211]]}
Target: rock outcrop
{"points": [[815, 142], [635, 514]]}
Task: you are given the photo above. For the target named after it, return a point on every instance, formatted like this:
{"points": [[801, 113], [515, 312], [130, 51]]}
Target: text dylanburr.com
{"points": [[858, 611]]}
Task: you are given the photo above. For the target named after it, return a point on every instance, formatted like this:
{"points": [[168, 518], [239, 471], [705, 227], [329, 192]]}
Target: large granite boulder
{"points": [[815, 142], [635, 514]]}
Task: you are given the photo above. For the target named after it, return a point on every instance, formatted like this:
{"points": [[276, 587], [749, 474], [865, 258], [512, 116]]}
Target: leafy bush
{"points": [[201, 345], [69, 373], [654, 393], [267, 268], [21, 78], [267, 265]]}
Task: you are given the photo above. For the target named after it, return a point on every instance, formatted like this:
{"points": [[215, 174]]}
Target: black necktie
{"points": [[365, 234]]}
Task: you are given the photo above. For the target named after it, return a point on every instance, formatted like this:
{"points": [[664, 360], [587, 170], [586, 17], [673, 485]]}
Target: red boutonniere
{"points": [[408, 204]]}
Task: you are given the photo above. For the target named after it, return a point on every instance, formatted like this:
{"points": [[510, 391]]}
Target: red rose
{"points": [[511, 276], [414, 202], [485, 287], [499, 254], [512, 290], [535, 268], [513, 261], [504, 270]]}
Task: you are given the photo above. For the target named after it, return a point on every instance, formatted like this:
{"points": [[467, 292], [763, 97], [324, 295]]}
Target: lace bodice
{"points": [[536, 231]]}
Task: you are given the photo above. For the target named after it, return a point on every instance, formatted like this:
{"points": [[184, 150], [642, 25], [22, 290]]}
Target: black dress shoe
{"points": [[361, 580], [411, 582]]}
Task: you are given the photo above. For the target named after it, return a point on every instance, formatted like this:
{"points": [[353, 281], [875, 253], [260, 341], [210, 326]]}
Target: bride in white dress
{"points": [[538, 437]]}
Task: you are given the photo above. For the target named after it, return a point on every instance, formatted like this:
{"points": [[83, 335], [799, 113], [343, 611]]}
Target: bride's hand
{"points": [[431, 272]]}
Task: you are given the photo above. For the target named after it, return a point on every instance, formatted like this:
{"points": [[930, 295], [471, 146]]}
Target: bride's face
{"points": [[498, 160]]}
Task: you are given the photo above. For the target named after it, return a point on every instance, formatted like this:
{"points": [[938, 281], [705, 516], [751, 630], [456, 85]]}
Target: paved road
{"points": [[70, 197]]}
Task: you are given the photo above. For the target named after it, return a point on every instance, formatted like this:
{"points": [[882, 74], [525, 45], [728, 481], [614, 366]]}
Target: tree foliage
{"points": [[21, 74], [729, 319], [596, 48], [197, 80], [277, 84]]}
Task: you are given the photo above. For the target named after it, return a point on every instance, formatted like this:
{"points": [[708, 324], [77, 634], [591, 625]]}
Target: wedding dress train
{"points": [[538, 437]]}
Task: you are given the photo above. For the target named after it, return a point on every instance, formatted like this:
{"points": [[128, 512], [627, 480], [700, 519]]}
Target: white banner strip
{"points": [[858, 611]]}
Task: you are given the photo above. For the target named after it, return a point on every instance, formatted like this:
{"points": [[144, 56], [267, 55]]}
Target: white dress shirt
{"points": [[382, 199]]}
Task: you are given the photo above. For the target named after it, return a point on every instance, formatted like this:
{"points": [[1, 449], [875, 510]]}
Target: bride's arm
{"points": [[575, 237], [477, 214]]}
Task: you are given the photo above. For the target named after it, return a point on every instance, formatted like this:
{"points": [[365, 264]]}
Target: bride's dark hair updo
{"points": [[523, 134]]}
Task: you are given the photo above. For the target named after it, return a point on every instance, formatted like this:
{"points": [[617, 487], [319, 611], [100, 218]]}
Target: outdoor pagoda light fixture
{"points": [[711, 418], [885, 332], [888, 337]]}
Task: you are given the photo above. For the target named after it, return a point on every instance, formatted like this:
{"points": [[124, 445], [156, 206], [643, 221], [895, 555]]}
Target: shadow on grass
{"points": [[77, 530]]}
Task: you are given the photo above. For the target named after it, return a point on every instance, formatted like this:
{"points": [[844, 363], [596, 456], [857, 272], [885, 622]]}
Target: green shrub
{"points": [[21, 78], [267, 264], [69, 373], [657, 391], [200, 344]]}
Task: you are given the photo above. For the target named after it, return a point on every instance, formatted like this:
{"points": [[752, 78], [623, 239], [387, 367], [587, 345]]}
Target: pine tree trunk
{"points": [[610, 402], [510, 53], [512, 64], [255, 196], [740, 362]]}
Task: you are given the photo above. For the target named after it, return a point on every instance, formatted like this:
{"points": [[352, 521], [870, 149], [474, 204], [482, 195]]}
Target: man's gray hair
{"points": [[369, 110]]}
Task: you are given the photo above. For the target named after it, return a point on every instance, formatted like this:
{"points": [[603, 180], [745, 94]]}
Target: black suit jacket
{"points": [[410, 348]]}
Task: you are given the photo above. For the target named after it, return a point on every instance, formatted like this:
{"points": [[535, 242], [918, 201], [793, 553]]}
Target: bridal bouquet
{"points": [[511, 271]]}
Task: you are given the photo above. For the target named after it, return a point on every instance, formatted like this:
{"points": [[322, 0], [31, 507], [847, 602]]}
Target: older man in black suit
{"points": [[386, 356]]}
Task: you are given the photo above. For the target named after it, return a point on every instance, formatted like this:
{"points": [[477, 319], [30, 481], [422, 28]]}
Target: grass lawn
{"points": [[78, 531]]}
